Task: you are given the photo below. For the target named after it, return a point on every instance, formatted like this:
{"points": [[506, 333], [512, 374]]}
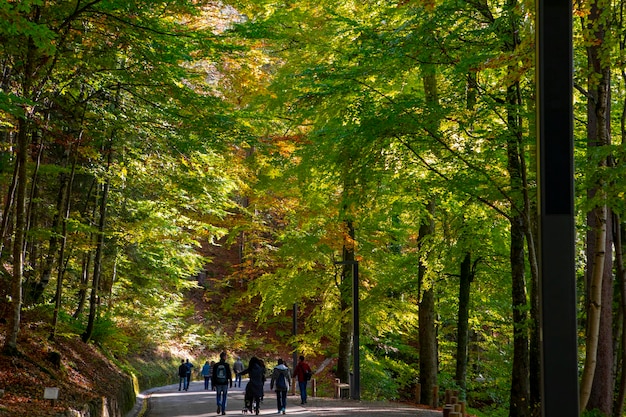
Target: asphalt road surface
{"points": [[167, 401]]}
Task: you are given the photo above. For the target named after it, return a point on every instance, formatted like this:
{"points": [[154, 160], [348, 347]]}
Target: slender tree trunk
{"points": [[594, 302], [602, 393], [31, 245], [65, 207], [530, 231], [84, 285], [345, 288], [88, 256], [462, 343], [618, 407], [97, 265], [520, 383], [427, 331], [53, 242], [7, 213], [535, 339], [598, 242], [520, 379], [14, 319]]}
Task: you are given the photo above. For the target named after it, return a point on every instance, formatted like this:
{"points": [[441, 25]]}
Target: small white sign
{"points": [[51, 394]]}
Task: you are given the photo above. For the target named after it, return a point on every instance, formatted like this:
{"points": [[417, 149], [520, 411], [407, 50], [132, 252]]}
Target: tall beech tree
{"points": [[373, 77], [596, 387], [73, 73]]}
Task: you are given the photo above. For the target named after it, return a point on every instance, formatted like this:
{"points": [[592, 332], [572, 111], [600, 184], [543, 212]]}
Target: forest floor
{"points": [[79, 371]]}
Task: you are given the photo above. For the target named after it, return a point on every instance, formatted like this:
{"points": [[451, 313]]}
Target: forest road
{"points": [[167, 401]]}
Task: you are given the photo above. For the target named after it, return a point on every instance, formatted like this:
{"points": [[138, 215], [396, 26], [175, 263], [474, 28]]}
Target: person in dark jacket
{"points": [[222, 378], [281, 381], [238, 368], [254, 388], [182, 375], [189, 366]]}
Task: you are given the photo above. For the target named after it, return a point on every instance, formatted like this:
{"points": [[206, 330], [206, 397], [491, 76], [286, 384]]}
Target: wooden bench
{"points": [[342, 390]]}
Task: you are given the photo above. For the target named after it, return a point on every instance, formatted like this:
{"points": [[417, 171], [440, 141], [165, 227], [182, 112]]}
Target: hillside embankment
{"points": [[87, 382]]}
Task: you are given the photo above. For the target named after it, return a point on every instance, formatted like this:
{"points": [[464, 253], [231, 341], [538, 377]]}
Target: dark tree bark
{"points": [[97, 267], [602, 390], [520, 383], [14, 319], [520, 379], [345, 289], [53, 243], [87, 256], [97, 263], [7, 213], [31, 246], [620, 232], [462, 343], [596, 392], [427, 331], [84, 285], [65, 213]]}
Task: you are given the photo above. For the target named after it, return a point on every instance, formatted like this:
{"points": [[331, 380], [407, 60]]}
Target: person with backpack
{"points": [[189, 366], [222, 378], [280, 382], [254, 388], [303, 374]]}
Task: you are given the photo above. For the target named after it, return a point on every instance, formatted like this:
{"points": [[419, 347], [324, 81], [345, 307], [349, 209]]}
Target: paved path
{"points": [[167, 401]]}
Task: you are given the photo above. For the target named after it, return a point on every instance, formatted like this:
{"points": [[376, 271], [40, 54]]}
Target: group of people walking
{"points": [[219, 377]]}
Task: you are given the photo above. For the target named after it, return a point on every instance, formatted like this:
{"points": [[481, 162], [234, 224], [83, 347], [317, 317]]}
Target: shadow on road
{"points": [[167, 401]]}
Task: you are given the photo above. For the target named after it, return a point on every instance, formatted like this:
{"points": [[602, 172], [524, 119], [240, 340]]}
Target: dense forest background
{"points": [[143, 140]]}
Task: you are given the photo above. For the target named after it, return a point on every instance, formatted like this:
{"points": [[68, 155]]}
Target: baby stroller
{"points": [[254, 389], [252, 403]]}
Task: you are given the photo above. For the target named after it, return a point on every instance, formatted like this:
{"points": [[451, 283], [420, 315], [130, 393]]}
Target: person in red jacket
{"points": [[303, 374]]}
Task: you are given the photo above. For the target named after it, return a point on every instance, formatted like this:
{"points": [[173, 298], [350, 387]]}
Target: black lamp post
{"points": [[295, 333], [556, 210], [355, 389]]}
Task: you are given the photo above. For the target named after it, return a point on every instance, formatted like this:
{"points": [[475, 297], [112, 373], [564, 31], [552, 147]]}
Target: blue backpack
{"points": [[281, 382]]}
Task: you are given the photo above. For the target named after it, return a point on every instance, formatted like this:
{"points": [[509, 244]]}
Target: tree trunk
{"points": [[427, 330], [14, 319], [520, 383], [598, 240], [84, 285], [31, 251], [428, 359], [88, 256], [8, 212], [345, 288], [602, 391], [618, 407], [596, 253], [462, 340], [65, 212], [520, 379], [535, 339], [53, 242], [97, 264]]}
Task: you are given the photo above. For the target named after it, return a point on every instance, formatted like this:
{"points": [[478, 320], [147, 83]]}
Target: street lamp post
{"points": [[557, 241], [355, 389], [295, 334]]}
